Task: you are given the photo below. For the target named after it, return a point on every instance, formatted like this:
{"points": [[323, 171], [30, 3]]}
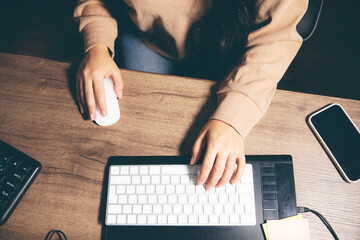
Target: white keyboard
{"points": [[164, 195]]}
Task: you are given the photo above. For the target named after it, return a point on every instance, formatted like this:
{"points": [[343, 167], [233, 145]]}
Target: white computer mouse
{"points": [[112, 105]]}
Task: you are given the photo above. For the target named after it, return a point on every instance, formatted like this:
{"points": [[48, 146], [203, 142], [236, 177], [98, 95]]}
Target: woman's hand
{"points": [[224, 144], [96, 65]]}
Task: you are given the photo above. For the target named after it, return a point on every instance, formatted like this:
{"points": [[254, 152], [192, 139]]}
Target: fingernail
{"points": [[120, 94], [191, 161], [207, 188], [103, 113], [92, 117], [200, 183]]}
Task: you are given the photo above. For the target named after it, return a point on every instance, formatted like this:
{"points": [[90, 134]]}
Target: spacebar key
{"points": [[180, 169]]}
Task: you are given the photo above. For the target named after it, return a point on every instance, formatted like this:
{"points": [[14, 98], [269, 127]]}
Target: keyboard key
{"points": [[120, 180], [142, 199], [152, 219], [193, 198], [203, 198], [115, 170], [162, 198], [157, 209], [146, 179], [136, 179], [224, 219], [249, 208], [137, 209], [235, 219], [150, 189], [144, 170], [182, 198], [213, 198], [160, 189], [120, 189], [142, 219], [170, 189], [131, 219], [184, 179], [127, 209], [167, 208], [175, 179], [172, 198], [193, 219], [203, 219], [125, 170], [188, 208], [190, 189], [247, 219], [239, 208], [115, 209], [111, 219], [155, 170], [152, 198], [178, 209], [140, 189], [198, 208], [147, 209], [218, 208], [122, 199], [208, 209], [155, 179], [180, 189], [121, 219], [183, 219], [162, 219], [130, 189], [213, 219], [134, 170], [233, 198], [133, 199], [165, 179]]}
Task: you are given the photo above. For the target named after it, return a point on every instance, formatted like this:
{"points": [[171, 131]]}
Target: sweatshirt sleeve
{"points": [[246, 93], [96, 24]]}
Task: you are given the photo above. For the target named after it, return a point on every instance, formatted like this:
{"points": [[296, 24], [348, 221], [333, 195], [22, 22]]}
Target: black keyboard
{"points": [[17, 172]]}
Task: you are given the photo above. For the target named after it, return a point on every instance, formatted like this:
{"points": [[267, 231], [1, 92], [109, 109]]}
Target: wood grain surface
{"points": [[160, 115]]}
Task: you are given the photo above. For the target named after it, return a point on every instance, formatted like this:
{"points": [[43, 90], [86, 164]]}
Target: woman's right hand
{"points": [[96, 65]]}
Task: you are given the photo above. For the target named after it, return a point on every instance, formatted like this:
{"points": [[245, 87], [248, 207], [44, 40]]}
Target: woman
{"points": [[252, 44]]}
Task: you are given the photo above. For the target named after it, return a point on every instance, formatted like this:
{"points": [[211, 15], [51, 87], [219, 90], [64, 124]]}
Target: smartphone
{"points": [[340, 137]]}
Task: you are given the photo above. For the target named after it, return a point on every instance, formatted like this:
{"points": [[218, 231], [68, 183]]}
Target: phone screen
{"points": [[341, 138]]}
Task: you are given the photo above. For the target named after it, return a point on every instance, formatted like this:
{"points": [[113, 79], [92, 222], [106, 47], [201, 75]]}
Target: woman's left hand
{"points": [[224, 150]]}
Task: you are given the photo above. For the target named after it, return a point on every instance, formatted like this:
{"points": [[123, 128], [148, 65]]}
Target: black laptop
{"points": [[274, 190]]}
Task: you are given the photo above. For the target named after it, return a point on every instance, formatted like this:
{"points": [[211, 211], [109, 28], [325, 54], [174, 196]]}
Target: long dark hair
{"points": [[225, 34]]}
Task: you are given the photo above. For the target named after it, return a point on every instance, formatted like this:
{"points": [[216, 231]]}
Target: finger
{"points": [[229, 171], [90, 100], [197, 147], [118, 83], [100, 94], [207, 165], [240, 168], [78, 93], [217, 171], [83, 97]]}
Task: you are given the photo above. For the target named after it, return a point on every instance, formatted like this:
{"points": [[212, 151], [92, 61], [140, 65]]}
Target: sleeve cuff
{"points": [[238, 111], [96, 34]]}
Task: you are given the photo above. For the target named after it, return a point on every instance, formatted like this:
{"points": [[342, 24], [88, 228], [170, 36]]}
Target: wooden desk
{"points": [[160, 115]]}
